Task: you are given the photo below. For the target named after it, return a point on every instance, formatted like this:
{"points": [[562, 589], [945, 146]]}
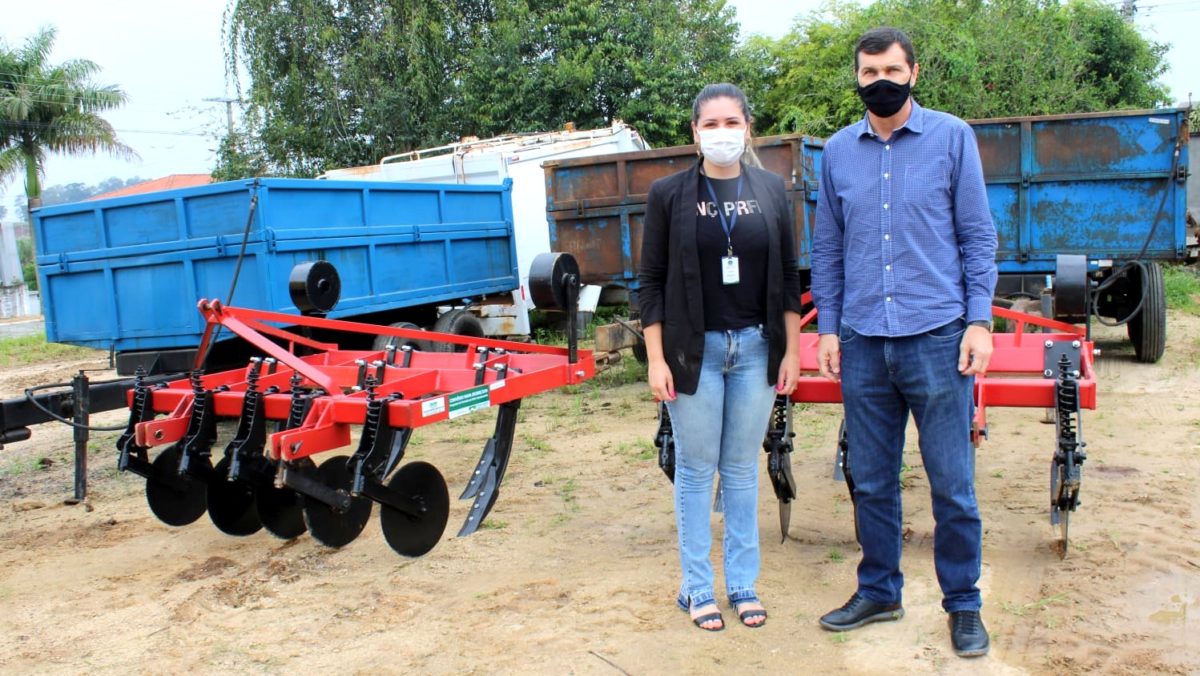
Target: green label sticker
{"points": [[467, 401]]}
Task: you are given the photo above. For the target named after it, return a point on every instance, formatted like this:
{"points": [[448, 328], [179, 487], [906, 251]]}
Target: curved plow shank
{"points": [[489, 471], [778, 446]]}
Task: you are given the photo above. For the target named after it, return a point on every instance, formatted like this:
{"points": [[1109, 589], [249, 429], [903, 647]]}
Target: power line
{"points": [[163, 132]]}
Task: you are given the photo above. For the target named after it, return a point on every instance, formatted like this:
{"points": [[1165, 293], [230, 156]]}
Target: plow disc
{"points": [[231, 504], [177, 499], [341, 521], [416, 530], [282, 509]]}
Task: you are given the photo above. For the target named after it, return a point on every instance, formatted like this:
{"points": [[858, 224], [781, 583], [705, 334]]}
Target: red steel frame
{"points": [[1015, 375], [424, 387]]}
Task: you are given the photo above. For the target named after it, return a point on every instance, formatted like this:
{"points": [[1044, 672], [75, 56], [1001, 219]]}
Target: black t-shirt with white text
{"points": [[731, 306]]}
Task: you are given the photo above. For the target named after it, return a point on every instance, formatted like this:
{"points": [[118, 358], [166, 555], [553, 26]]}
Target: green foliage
{"points": [[51, 108], [340, 83], [978, 59], [1182, 287], [335, 83], [76, 192], [28, 261]]}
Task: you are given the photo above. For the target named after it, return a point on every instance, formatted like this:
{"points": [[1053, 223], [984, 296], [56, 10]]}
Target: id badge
{"points": [[729, 270]]}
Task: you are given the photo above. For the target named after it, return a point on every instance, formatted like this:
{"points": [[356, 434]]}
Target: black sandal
{"points": [[750, 613], [715, 616]]}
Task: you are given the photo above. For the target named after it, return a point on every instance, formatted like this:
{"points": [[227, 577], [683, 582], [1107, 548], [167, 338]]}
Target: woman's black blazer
{"points": [[669, 280]]}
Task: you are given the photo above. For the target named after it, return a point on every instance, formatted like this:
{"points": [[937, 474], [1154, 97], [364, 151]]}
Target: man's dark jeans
{"points": [[883, 379]]}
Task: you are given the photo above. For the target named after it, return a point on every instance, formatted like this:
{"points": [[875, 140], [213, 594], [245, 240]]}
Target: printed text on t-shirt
{"points": [[741, 207]]}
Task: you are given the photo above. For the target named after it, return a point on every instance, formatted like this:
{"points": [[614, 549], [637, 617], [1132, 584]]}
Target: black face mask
{"points": [[884, 97]]}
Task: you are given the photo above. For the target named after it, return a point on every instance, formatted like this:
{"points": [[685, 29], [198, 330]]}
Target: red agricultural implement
{"points": [[302, 397], [1051, 369]]}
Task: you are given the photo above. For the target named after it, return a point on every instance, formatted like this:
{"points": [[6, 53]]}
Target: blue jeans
{"points": [[721, 428], [883, 379]]}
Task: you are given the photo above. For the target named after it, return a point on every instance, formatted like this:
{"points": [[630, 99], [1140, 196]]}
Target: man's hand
{"points": [[975, 351], [661, 382], [829, 356]]}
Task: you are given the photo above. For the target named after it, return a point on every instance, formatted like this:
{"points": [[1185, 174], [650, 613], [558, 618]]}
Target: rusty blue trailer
{"points": [[595, 205], [1104, 191]]}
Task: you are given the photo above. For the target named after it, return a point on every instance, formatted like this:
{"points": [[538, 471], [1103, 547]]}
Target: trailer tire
{"points": [[1148, 330], [380, 342], [639, 352], [458, 322]]}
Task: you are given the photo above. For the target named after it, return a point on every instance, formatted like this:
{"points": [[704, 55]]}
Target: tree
{"points": [[344, 82], [26, 256], [47, 108], [979, 59], [75, 192]]}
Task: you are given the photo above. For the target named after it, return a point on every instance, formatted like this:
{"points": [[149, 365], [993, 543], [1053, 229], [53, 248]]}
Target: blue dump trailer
{"points": [[1086, 208], [125, 274]]}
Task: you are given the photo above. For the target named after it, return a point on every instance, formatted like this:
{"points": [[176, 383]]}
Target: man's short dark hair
{"points": [[879, 40]]}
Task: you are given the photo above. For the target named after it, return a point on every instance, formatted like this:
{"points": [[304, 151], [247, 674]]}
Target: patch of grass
{"points": [[1182, 286], [640, 450], [493, 524], [35, 350], [25, 466], [1023, 609], [536, 444], [998, 474], [836, 555], [839, 637], [567, 492], [626, 372]]}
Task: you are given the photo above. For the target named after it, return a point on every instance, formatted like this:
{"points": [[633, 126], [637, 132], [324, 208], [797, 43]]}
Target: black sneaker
{"points": [[859, 611], [967, 633]]}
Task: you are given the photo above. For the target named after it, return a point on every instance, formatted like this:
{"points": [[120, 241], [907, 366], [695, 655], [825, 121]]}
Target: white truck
{"points": [[518, 157]]}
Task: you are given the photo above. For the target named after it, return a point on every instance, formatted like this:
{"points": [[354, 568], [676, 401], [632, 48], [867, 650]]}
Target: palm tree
{"points": [[46, 108]]}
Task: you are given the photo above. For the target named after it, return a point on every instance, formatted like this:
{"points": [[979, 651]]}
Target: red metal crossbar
{"points": [[1015, 376], [429, 387]]}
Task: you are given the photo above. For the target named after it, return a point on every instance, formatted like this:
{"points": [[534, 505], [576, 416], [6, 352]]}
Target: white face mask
{"points": [[724, 146]]}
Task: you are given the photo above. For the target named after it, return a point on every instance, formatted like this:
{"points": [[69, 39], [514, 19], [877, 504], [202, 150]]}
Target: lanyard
{"points": [[726, 226]]}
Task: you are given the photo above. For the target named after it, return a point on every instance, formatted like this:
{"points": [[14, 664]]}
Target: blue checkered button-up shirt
{"points": [[904, 241]]}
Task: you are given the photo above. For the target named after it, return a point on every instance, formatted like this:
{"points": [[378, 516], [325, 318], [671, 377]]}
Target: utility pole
{"points": [[229, 107], [1128, 9]]}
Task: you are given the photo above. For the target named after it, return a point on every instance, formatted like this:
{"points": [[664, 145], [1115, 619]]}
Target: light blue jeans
{"points": [[721, 428]]}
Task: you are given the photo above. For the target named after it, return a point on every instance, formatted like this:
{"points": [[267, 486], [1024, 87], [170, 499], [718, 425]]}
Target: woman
{"points": [[720, 307]]}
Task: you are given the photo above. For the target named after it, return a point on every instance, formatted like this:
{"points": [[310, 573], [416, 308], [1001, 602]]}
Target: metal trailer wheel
{"points": [[381, 342], [458, 322], [1148, 329]]}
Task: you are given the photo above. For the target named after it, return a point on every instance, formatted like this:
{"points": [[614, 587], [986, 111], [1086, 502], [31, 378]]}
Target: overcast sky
{"points": [[167, 55]]}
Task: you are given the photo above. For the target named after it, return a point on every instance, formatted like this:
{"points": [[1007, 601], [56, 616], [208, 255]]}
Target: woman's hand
{"points": [[661, 382], [789, 374]]}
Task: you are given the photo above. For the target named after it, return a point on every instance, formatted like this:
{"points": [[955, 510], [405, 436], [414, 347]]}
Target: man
{"points": [[903, 268]]}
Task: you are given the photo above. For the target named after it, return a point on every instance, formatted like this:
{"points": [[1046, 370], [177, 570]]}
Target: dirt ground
{"points": [[576, 569]]}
